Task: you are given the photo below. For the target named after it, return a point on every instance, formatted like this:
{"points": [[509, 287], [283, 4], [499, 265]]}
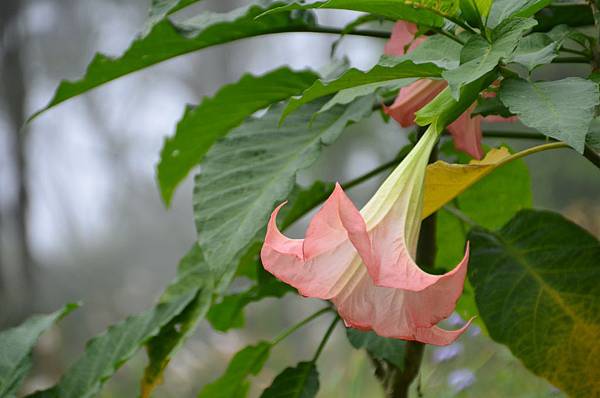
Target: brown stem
{"points": [[396, 382]]}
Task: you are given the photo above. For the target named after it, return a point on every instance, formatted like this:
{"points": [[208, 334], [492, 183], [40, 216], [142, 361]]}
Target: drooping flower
{"points": [[466, 130], [363, 261]]}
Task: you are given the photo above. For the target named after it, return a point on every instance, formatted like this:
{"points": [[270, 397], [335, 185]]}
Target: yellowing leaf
{"points": [[445, 181]]}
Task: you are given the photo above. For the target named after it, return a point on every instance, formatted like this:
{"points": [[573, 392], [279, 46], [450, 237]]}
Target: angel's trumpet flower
{"points": [[363, 261]]}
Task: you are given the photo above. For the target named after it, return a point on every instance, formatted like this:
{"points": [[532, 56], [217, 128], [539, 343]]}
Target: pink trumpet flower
{"points": [[466, 130], [363, 261]]}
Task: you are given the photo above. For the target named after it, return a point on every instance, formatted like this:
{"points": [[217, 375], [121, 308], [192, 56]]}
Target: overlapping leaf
{"points": [[561, 109], [301, 381], [252, 169], [535, 50], [390, 350], [167, 40], [202, 125], [16, 345], [480, 57], [503, 9], [537, 288], [161, 8], [422, 12]]}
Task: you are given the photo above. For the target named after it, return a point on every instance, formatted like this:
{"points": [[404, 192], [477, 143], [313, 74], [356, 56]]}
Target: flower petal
{"points": [[412, 98], [466, 131], [403, 34], [396, 313], [319, 265]]}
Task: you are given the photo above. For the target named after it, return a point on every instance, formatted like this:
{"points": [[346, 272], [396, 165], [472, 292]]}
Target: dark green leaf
{"points": [[593, 138], [491, 106], [391, 9], [571, 14], [16, 345], [535, 50], [301, 381], [537, 288], [391, 350], [229, 313], [167, 40], [503, 9], [254, 168], [475, 12], [389, 70], [481, 57], [104, 354], [234, 383], [202, 125], [561, 109], [192, 279]]}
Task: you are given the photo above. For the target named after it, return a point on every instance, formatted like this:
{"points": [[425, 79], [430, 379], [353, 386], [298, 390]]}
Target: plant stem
{"points": [[570, 60], [326, 338], [299, 325], [337, 31], [460, 215], [377, 170]]}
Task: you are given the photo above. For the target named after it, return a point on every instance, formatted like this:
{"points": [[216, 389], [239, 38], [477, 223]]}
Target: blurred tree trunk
{"points": [[14, 96]]}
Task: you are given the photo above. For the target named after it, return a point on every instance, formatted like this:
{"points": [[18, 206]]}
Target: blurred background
{"points": [[81, 218]]}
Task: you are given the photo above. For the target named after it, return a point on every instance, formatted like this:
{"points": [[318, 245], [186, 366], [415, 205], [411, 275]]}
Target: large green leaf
{"points": [[254, 168], [424, 12], [504, 9], [192, 279], [537, 286], [104, 354], [16, 345], [561, 109], [390, 350], [202, 125], [509, 190], [480, 57], [234, 383], [167, 40], [301, 381], [387, 71]]}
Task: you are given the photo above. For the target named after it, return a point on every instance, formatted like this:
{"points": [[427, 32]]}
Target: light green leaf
{"points": [[480, 57], [167, 40], [535, 50], [16, 345], [104, 354], [537, 288], [229, 312], [162, 8], [390, 350], [561, 109], [254, 168], [192, 279], [301, 381], [437, 49], [389, 70], [202, 125], [424, 12], [509, 189], [234, 383], [503, 9]]}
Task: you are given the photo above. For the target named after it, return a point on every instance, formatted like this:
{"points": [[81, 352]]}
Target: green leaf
{"points": [[390, 350], [104, 354], [229, 313], [167, 40], [572, 13], [234, 383], [421, 13], [301, 381], [162, 8], [192, 279], [503, 9], [537, 287], [481, 57], [509, 189], [387, 71], [561, 109], [202, 125], [593, 138], [16, 345], [254, 168], [437, 49], [475, 11], [535, 50], [491, 106]]}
